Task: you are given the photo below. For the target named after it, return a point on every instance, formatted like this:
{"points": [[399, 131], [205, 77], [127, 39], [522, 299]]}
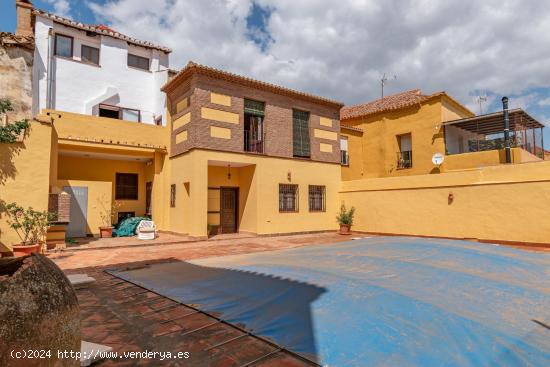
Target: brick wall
{"points": [[60, 204], [277, 121]]}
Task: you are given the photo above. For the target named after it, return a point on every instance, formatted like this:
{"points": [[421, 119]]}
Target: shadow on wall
{"points": [[274, 308]]}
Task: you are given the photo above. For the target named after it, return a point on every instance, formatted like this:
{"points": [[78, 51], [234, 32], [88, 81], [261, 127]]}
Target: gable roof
{"points": [[193, 68], [388, 103], [99, 29]]}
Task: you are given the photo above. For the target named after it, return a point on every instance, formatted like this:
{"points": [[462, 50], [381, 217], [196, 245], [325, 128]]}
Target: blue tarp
{"points": [[127, 228], [378, 301]]}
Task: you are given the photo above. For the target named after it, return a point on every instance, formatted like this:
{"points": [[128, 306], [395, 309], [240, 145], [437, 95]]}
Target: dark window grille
{"points": [[317, 200], [90, 54], [172, 196], [300, 133], [126, 187], [404, 159], [288, 198], [138, 62]]}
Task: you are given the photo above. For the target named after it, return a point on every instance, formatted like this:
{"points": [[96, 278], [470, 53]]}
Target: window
{"points": [[126, 186], [344, 156], [288, 198], [316, 198], [172, 196], [300, 133], [90, 54], [121, 113], [404, 156], [63, 46], [138, 62], [254, 126]]}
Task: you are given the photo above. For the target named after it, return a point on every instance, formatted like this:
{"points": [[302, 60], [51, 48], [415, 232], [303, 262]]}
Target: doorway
{"points": [[148, 193], [229, 209], [78, 221]]}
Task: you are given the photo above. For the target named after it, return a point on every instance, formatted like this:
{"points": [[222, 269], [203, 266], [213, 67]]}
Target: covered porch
{"points": [[107, 183], [480, 140]]}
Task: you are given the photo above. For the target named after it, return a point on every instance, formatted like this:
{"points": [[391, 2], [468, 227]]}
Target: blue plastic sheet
{"points": [[387, 301]]}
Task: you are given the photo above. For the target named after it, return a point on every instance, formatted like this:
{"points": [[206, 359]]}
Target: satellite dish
{"points": [[438, 159]]}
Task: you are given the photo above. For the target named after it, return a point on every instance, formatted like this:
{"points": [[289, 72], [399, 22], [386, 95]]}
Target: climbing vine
{"points": [[10, 132]]}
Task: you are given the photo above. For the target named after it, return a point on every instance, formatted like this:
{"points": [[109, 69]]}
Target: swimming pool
{"points": [[395, 301]]}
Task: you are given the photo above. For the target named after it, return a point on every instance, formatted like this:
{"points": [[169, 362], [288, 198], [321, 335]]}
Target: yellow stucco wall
{"points": [[506, 202], [75, 126], [104, 170], [25, 176], [218, 115], [379, 144], [258, 184]]}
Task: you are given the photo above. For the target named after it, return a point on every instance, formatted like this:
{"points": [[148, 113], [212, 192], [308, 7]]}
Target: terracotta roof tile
{"points": [[99, 29], [193, 67], [388, 103]]}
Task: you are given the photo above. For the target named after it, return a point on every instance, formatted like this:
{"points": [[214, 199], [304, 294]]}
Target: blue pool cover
{"points": [[381, 301]]}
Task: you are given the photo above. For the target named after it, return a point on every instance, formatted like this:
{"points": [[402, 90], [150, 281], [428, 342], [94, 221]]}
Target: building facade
{"points": [[250, 156], [94, 70]]}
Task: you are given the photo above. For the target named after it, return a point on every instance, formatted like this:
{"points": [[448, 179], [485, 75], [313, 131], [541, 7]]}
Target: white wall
{"points": [[79, 87], [452, 141]]}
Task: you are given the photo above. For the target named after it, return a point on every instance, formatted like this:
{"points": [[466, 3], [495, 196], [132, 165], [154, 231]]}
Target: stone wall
{"points": [[16, 60]]}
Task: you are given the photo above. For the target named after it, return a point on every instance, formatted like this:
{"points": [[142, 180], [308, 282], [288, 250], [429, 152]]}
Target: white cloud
{"points": [[61, 7], [340, 49], [544, 102]]}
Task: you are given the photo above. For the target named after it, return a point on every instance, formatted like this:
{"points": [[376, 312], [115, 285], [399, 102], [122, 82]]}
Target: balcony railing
{"points": [[344, 157], [404, 159], [253, 142]]}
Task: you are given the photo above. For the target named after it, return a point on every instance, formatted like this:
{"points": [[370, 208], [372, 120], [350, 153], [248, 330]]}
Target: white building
{"points": [[94, 70]]}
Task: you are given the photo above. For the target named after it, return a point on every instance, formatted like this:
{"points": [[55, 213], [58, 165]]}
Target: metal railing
{"points": [[254, 143], [344, 158], [404, 159]]}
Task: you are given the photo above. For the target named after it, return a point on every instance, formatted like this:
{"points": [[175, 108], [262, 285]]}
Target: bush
{"points": [[10, 132], [345, 217], [31, 225]]}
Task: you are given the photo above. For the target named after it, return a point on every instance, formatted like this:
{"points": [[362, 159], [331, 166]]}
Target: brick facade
{"points": [[277, 121]]}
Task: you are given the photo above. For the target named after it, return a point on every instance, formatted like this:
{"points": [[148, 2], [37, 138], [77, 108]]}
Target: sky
{"points": [[341, 49]]}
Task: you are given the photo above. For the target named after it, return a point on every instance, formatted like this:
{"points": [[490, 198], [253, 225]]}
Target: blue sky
{"points": [[340, 49]]}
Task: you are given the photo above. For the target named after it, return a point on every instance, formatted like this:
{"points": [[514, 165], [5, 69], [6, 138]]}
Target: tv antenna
{"points": [[384, 81], [480, 100]]}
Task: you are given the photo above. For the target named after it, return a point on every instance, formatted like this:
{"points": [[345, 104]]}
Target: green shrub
{"points": [[10, 132], [345, 217]]}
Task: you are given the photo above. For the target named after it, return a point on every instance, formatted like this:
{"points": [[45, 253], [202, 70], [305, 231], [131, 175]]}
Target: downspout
{"points": [[49, 72], [506, 129]]}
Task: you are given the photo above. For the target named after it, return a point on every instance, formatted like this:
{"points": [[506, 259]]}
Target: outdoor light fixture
{"points": [[229, 172], [450, 198], [289, 176]]}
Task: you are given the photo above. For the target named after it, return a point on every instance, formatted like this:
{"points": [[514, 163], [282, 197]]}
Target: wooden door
{"points": [[229, 199]]}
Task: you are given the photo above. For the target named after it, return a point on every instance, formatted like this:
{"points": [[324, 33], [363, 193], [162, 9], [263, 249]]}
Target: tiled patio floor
{"points": [[129, 318], [70, 259]]}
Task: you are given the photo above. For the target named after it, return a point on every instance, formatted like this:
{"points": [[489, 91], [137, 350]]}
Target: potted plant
{"points": [[107, 216], [345, 219], [31, 227]]}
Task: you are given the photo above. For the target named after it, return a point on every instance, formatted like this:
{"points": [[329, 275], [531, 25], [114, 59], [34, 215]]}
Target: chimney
{"points": [[506, 129], [24, 17]]}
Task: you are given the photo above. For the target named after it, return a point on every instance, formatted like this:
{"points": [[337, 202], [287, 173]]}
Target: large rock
{"points": [[38, 311]]}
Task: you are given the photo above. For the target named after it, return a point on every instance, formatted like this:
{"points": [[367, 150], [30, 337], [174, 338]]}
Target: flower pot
{"points": [[105, 232], [345, 229], [21, 250]]}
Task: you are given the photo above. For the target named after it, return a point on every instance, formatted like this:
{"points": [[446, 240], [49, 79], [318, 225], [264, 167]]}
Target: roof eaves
{"points": [[102, 31], [193, 67]]}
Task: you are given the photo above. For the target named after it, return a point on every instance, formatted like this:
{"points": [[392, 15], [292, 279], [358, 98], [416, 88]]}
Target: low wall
{"points": [[501, 203]]}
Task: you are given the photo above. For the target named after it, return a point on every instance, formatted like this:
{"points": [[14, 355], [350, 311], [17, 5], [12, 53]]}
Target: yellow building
{"points": [[399, 134]]}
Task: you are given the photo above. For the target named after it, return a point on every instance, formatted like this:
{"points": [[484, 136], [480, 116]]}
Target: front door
{"points": [[79, 211], [148, 192], [229, 197]]}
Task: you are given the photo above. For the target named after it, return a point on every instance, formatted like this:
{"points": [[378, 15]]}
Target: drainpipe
{"points": [[49, 72], [506, 129]]}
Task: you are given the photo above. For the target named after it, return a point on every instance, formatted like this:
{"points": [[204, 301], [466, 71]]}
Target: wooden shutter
{"points": [[300, 131]]}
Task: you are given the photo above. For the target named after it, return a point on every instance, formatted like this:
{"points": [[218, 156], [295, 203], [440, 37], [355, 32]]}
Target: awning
{"points": [[494, 122]]}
